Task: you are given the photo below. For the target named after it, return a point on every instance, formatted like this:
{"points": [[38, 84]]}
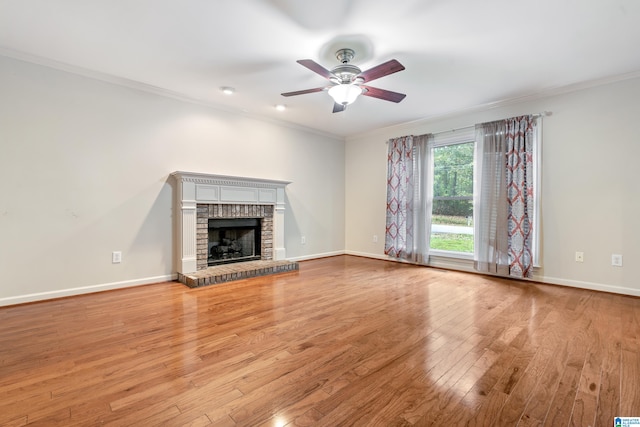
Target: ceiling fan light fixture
{"points": [[227, 90], [345, 94]]}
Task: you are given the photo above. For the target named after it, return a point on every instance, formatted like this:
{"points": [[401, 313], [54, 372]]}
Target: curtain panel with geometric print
{"points": [[504, 199], [408, 199], [520, 135]]}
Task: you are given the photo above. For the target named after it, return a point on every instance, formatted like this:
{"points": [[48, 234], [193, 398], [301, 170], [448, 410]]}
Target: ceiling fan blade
{"points": [[302, 92], [338, 107], [381, 70], [387, 95], [315, 67]]}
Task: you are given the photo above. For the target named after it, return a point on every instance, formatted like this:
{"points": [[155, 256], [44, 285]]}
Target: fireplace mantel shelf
{"points": [[204, 178]]}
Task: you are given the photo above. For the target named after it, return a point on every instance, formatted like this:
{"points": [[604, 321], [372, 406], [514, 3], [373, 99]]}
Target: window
{"points": [[452, 215], [452, 212], [452, 209], [480, 198]]}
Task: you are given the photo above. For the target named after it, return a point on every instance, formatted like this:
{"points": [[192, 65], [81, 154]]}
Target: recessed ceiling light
{"points": [[227, 90], [281, 107]]}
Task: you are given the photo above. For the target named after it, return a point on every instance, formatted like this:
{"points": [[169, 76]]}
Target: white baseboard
{"points": [[315, 256], [588, 285], [40, 296], [368, 255], [435, 261], [439, 263], [467, 266]]}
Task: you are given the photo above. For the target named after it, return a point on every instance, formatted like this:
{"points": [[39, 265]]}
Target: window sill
{"points": [[451, 254], [451, 260], [461, 261]]}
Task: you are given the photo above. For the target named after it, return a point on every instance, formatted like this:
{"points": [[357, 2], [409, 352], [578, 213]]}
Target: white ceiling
{"points": [[458, 54]]}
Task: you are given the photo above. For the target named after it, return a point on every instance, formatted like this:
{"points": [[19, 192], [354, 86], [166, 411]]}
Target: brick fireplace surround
{"points": [[205, 196], [218, 211]]}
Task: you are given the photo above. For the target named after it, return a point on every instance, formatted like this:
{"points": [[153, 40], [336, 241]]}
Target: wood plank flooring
{"points": [[345, 341]]}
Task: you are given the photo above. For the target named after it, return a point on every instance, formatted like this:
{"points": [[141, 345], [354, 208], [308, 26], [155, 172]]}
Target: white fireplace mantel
{"points": [[194, 188]]}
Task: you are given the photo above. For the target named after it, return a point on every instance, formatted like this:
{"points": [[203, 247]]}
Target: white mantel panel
{"points": [[238, 195], [188, 191], [280, 196], [267, 196], [207, 193]]}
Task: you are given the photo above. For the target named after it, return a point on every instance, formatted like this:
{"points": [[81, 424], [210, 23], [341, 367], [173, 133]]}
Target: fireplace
{"points": [[233, 240], [205, 197], [224, 219]]}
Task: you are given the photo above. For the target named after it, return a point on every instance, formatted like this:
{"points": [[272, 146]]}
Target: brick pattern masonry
{"points": [[206, 211]]}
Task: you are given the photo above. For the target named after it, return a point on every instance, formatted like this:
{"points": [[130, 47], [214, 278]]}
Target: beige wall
{"points": [[84, 171], [590, 196]]}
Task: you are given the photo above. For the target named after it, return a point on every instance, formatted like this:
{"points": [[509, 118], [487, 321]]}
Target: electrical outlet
{"points": [[375, 238], [616, 260], [116, 257], [579, 256], [303, 240]]}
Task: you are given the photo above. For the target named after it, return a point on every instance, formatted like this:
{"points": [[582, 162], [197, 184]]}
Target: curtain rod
{"points": [[541, 114]]}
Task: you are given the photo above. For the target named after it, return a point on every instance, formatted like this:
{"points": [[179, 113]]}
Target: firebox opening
{"points": [[233, 240]]}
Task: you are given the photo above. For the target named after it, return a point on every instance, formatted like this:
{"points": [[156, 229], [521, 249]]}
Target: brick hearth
{"points": [[237, 271]]}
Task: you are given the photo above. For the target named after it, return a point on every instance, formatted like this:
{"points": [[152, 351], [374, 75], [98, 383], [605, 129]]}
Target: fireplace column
{"points": [[194, 188], [278, 224]]}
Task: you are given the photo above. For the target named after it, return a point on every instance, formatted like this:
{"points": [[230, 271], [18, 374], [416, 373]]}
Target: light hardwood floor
{"points": [[344, 341]]}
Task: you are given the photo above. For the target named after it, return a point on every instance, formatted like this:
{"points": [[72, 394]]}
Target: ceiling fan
{"points": [[347, 80]]}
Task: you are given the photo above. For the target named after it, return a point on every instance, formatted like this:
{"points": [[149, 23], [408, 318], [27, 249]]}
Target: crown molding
{"points": [[155, 90], [541, 94]]}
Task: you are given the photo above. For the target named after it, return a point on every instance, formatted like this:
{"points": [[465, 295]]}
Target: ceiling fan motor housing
{"points": [[346, 73]]}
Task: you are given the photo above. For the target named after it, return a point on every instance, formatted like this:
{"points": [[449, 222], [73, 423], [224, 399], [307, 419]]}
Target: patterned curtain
{"points": [[408, 202], [504, 197], [519, 136]]}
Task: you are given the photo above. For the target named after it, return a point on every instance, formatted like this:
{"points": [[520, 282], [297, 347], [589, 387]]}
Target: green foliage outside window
{"points": [[457, 208], [453, 180], [453, 196]]}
